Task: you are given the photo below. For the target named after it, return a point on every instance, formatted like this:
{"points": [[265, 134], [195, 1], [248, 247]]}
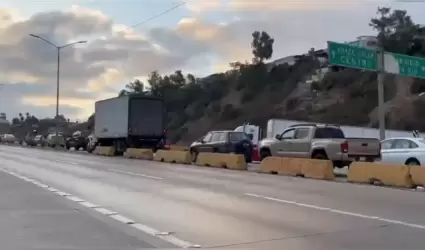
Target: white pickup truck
{"points": [[321, 142]]}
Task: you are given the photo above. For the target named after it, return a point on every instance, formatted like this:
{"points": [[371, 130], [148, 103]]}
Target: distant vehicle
{"points": [[254, 132], [91, 143], [320, 142], [131, 121], [8, 138], [40, 140], [223, 142], [77, 141], [54, 140], [403, 150]]}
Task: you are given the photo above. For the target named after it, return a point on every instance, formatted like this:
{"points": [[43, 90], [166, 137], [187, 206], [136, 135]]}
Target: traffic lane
{"points": [[364, 199], [33, 218], [228, 219]]}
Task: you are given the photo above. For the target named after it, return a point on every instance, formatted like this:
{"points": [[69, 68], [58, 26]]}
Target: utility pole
{"points": [[58, 48]]}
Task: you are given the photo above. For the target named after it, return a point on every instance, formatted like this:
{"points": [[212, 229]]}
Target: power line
{"points": [[159, 15]]}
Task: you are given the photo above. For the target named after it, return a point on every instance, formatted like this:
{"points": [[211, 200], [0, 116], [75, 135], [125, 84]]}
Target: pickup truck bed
{"points": [[368, 149]]}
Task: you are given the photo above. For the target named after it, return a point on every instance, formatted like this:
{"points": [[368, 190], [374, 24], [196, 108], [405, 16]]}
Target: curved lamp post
{"points": [[58, 48]]}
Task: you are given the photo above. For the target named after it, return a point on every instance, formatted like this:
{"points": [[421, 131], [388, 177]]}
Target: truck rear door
{"points": [[363, 147]]}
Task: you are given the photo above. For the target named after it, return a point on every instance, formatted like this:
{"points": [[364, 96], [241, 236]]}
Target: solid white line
{"points": [[417, 226], [136, 174]]}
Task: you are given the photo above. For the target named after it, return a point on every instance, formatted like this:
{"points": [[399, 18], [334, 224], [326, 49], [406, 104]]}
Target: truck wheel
{"points": [[319, 156], [194, 155], [264, 153]]}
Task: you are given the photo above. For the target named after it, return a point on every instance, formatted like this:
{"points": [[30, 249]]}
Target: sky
{"points": [[199, 37]]}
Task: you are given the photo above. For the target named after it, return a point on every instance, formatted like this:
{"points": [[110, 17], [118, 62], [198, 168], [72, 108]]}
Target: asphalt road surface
{"points": [[33, 218], [197, 206]]}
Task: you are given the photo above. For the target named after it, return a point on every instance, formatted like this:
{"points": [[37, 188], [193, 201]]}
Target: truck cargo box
{"points": [[131, 115]]}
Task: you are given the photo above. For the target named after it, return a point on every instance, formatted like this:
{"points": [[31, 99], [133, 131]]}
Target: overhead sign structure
{"points": [[404, 65], [352, 56]]}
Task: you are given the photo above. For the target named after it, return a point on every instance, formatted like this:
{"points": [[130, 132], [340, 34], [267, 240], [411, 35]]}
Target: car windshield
{"points": [[329, 132], [238, 136]]}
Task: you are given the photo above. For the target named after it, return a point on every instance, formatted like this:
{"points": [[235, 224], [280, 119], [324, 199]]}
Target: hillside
{"points": [[306, 88]]}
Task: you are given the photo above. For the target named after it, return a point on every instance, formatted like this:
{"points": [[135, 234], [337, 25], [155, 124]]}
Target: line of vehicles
{"points": [[137, 121]]}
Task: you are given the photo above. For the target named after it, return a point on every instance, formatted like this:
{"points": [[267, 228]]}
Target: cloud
{"points": [[212, 34], [114, 54]]}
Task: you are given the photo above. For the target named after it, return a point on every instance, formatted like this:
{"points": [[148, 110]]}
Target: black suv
{"points": [[223, 142]]}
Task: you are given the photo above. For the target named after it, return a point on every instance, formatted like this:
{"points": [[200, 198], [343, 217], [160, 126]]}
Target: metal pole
{"points": [[381, 108], [57, 92]]}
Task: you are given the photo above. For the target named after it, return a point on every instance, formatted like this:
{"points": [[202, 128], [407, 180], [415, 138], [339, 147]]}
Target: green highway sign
{"points": [[352, 56], [404, 65]]}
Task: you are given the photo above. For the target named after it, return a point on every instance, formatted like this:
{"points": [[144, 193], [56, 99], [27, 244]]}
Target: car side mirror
{"points": [[278, 137]]}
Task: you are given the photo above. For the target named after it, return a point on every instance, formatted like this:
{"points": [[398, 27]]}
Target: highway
{"points": [[219, 208]]}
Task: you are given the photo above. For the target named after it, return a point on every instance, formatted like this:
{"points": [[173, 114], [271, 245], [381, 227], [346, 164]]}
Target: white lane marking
{"points": [[136, 174], [75, 198], [68, 162], [114, 215], [105, 211], [52, 189], [169, 238], [63, 194], [417, 226], [122, 219], [88, 204]]}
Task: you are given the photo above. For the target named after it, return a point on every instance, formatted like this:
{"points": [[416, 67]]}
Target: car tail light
{"points": [[344, 147]]}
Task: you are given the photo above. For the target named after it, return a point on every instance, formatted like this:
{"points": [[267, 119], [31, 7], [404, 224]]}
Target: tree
{"points": [[16, 121], [135, 87], [397, 32], [262, 46], [21, 117]]}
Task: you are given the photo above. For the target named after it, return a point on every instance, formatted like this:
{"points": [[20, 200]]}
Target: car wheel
{"points": [[413, 162], [194, 155], [264, 153]]}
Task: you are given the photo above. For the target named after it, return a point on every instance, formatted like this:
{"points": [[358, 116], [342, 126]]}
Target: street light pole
{"points": [[58, 48]]}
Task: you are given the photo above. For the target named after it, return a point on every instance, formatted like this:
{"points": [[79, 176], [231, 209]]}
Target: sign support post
{"points": [[381, 101]]}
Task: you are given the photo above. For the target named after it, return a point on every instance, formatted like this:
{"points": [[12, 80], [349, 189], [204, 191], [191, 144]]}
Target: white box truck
{"points": [[131, 121]]}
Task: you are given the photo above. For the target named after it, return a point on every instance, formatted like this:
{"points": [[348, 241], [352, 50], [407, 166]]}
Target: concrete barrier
{"points": [[139, 153], [310, 168], [317, 169], [280, 165], [178, 148], [105, 151], [173, 156], [417, 174], [387, 174], [218, 160]]}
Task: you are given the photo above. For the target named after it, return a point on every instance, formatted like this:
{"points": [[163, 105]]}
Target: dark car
{"points": [[223, 142], [77, 141]]}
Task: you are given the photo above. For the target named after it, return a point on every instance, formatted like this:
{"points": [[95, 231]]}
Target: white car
{"points": [[403, 150]]}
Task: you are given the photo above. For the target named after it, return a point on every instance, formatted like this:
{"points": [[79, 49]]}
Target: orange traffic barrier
{"points": [[218, 160], [139, 153], [105, 151], [310, 168], [173, 156], [387, 174]]}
